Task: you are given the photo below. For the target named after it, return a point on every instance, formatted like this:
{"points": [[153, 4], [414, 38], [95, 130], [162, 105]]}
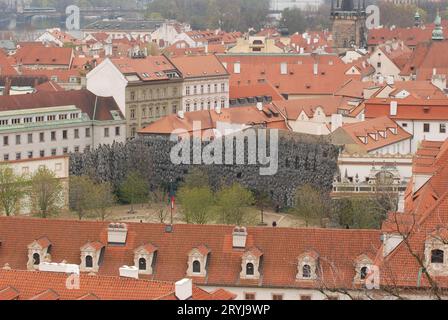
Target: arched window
{"points": [[306, 271], [196, 266], [142, 264], [89, 262], [364, 271], [250, 269], [36, 259], [437, 256]]}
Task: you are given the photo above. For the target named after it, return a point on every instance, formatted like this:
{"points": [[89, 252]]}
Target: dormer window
{"points": [[36, 259], [197, 261], [89, 262], [144, 258], [250, 269], [250, 264], [38, 251], [307, 266], [437, 256], [363, 273], [363, 266]]}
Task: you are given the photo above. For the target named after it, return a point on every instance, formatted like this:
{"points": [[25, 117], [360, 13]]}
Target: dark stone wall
{"points": [[302, 159]]}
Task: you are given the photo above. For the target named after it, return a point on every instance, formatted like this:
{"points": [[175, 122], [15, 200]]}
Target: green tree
{"points": [[294, 20], [234, 204], [134, 189], [81, 195], [46, 193], [103, 200], [311, 204], [196, 204], [13, 189], [196, 178]]}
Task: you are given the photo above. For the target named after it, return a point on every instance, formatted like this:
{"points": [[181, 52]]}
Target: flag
{"points": [[172, 196]]}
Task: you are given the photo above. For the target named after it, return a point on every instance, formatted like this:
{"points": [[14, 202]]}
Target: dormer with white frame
{"points": [[436, 251], [90, 256], [38, 252], [363, 266], [197, 261], [144, 257], [307, 266], [250, 264]]}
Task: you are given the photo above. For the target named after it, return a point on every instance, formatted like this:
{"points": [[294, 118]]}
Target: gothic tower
{"points": [[349, 24]]}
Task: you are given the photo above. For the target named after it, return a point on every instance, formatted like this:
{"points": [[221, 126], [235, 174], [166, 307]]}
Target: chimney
{"points": [[59, 267], [393, 108], [315, 68], [129, 272], [239, 237], [117, 233], [390, 80], [184, 289], [434, 71], [237, 68], [180, 114], [283, 68], [218, 110], [260, 106]]}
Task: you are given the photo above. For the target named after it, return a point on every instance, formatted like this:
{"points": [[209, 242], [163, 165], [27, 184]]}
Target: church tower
{"points": [[349, 24]]}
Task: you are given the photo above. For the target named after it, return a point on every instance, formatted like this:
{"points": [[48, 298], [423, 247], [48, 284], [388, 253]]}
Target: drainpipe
{"points": [[93, 121]]}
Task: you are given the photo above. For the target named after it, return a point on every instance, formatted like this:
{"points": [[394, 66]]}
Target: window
{"points": [[6, 157], [51, 118], [30, 154], [404, 125], [65, 150], [76, 149], [306, 271], [41, 137], [187, 91], [223, 87], [36, 259], [364, 271], [74, 116], [40, 119], [117, 131], [187, 107], [209, 88], [196, 267], [89, 262], [28, 119], [133, 132], [53, 135], [76, 133], [62, 117], [132, 113], [202, 89], [378, 64], [277, 297], [17, 139], [195, 89], [442, 128], [216, 87], [250, 269], [426, 127], [174, 108], [53, 152], [87, 132], [437, 256], [18, 156], [132, 95], [15, 121], [42, 153], [106, 132], [223, 104], [249, 296], [5, 140], [142, 264], [64, 135]]}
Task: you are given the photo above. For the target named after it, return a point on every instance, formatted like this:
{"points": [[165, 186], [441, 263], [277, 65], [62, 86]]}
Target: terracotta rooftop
{"points": [[40, 55], [199, 66]]}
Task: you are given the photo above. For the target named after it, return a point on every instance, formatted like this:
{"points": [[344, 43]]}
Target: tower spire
{"points": [[437, 33]]}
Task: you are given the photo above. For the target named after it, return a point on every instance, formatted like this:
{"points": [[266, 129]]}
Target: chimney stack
{"points": [[129, 272], [239, 237], [315, 68], [393, 108], [180, 114], [184, 289], [260, 106], [218, 110], [117, 233]]}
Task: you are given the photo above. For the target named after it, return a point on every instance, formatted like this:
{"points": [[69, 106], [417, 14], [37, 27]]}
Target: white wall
{"points": [[206, 96], [416, 129]]}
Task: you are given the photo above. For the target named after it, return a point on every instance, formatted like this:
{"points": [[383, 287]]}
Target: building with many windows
{"points": [[48, 124]]}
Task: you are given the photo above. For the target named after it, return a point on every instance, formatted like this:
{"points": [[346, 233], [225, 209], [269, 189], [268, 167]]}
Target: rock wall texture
{"points": [[302, 160]]}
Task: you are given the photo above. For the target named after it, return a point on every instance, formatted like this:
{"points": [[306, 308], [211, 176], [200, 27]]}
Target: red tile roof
{"points": [[409, 108], [82, 99], [151, 68], [40, 55], [35, 285], [199, 66], [371, 130], [336, 248], [255, 90]]}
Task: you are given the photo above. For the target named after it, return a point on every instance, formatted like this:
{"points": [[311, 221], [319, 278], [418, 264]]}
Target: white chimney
{"points": [[315, 68], [434, 71], [260, 106], [239, 237], [283, 68], [184, 289], [181, 114], [218, 110], [117, 233], [393, 108], [59, 267], [237, 68], [129, 272]]}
